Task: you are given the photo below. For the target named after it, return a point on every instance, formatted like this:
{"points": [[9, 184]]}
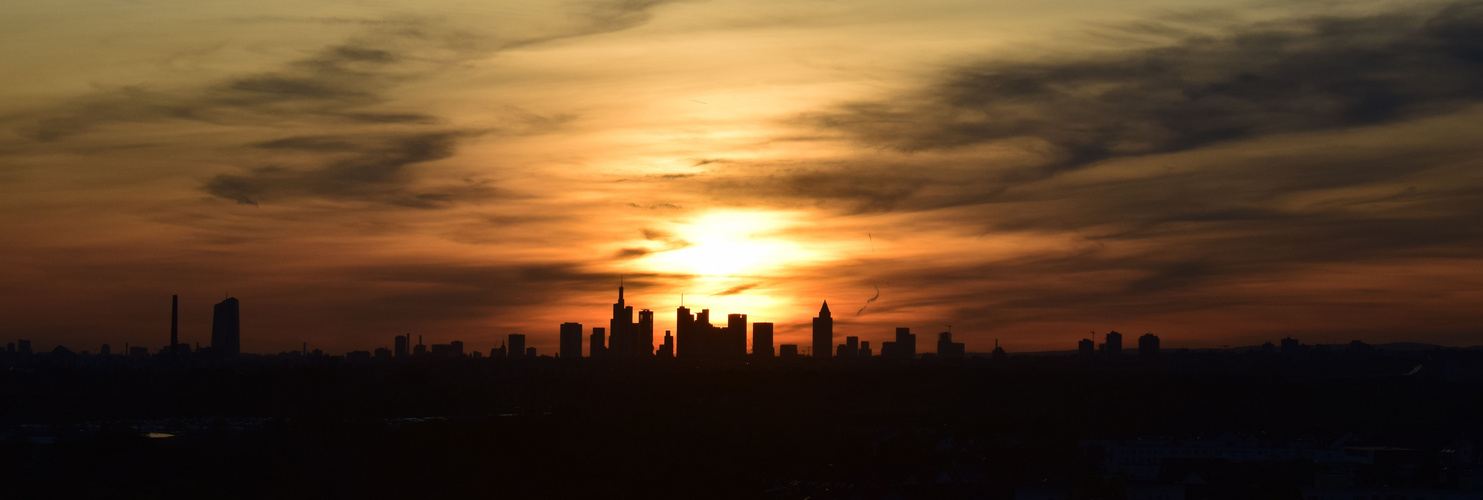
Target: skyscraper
{"points": [[1113, 345], [643, 335], [687, 345], [762, 340], [667, 350], [1086, 348], [1148, 346], [400, 346], [517, 345], [620, 328], [736, 335], [948, 349], [823, 333], [571, 340], [226, 335], [597, 347]]}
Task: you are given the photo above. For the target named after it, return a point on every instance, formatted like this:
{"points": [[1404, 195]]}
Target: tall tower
{"points": [[401, 345], [736, 335], [823, 333], [687, 344], [1114, 344], [571, 340], [620, 328], [762, 340], [226, 333], [643, 335]]}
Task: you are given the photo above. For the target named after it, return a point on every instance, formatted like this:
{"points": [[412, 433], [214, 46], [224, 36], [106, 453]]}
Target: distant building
{"points": [[865, 349], [998, 352], [358, 356], [530, 352], [736, 336], [571, 341], [1113, 344], [947, 349], [517, 345], [620, 328], [643, 335], [788, 351], [597, 347], [1290, 345], [1086, 348], [226, 333], [823, 332], [687, 341], [384, 353], [903, 348], [457, 348], [667, 349], [105, 350], [762, 340], [400, 345], [1148, 346], [498, 352]]}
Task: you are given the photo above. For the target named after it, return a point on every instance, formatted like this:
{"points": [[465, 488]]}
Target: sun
{"points": [[731, 243]]}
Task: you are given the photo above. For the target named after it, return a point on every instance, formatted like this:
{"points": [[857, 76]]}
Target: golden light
{"points": [[731, 243]]}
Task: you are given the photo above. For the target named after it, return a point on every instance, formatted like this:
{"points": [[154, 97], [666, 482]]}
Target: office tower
{"points": [[865, 350], [851, 347], [687, 345], [1148, 346], [620, 328], [823, 332], [736, 335], [226, 335], [498, 352], [904, 347], [105, 350], [24, 347], [598, 344], [384, 353], [667, 350], [174, 324], [762, 340], [571, 341], [530, 352], [517, 345], [457, 346], [1113, 344], [643, 335], [788, 351], [1086, 348], [399, 345], [710, 342], [948, 349]]}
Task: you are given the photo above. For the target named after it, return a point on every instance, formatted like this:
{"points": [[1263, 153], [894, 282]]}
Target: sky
{"points": [[1031, 173]]}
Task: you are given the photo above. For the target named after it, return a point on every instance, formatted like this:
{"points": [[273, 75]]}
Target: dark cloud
{"points": [[349, 87], [1251, 81], [736, 289], [631, 253]]}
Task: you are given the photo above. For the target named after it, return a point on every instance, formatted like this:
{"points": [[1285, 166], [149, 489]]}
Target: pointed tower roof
{"points": [[824, 311]]}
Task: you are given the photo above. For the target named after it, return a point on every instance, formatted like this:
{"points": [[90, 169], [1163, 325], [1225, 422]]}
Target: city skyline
{"points": [[1217, 173]]}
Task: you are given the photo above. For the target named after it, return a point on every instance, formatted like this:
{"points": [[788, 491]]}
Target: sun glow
{"points": [[719, 244]]}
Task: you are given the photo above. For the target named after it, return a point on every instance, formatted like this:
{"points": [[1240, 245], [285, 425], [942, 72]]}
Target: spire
{"points": [[620, 288], [824, 311]]}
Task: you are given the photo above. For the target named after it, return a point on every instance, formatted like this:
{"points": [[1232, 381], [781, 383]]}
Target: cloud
{"points": [[1248, 81], [736, 289]]}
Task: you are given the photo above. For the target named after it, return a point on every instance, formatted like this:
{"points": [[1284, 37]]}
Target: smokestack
{"points": [[174, 325]]}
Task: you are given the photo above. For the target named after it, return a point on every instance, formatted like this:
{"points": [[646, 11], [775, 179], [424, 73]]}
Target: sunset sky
{"points": [[1217, 173]]}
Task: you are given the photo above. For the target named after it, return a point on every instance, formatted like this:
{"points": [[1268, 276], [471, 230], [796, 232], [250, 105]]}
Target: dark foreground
{"points": [[1052, 427]]}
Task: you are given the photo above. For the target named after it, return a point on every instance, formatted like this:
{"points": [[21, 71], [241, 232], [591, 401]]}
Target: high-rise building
{"points": [[736, 335], [1086, 348], [457, 348], [384, 353], [851, 347], [687, 344], [762, 340], [667, 350], [1290, 345], [643, 334], [597, 347], [400, 344], [903, 348], [1113, 344], [1148, 346], [865, 350], [517, 345], [226, 335], [499, 352], [571, 341], [947, 349], [620, 328], [823, 332]]}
